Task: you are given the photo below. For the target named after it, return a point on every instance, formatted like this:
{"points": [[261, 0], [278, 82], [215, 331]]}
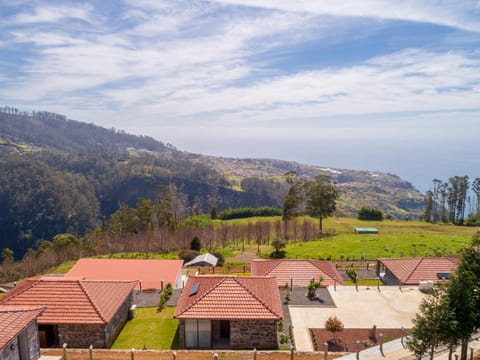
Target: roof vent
{"points": [[194, 289]]}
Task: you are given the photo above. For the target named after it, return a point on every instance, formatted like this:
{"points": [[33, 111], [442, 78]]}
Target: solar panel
{"points": [[194, 289], [443, 276]]}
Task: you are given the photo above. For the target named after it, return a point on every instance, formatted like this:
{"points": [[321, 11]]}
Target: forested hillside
{"points": [[59, 175]]}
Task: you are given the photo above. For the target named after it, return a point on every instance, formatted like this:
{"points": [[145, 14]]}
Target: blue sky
{"points": [[260, 78]]}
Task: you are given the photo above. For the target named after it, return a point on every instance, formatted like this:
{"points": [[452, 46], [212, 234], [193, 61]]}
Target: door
{"points": [[198, 333], [47, 335], [225, 329]]}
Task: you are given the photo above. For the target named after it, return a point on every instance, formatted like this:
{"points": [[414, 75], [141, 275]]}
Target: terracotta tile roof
{"points": [[71, 301], [151, 272], [13, 319], [230, 297], [412, 270], [301, 271]]}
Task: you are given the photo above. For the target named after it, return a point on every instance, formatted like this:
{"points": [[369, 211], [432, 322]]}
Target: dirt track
{"points": [[75, 354]]}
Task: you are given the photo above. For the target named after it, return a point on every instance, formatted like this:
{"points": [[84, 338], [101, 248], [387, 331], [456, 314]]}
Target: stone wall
{"points": [[33, 342], [115, 325], [98, 335], [31, 333], [7, 354], [81, 335], [244, 334], [247, 334]]}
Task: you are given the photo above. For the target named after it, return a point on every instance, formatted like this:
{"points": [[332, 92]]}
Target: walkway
{"points": [[389, 308]]}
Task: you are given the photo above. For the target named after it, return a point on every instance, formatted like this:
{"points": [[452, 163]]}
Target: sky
{"points": [[372, 85]]}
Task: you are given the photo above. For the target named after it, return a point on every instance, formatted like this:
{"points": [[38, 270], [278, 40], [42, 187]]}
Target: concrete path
{"points": [[388, 308], [392, 350]]}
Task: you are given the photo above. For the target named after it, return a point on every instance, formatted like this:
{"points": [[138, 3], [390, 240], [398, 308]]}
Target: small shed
{"points": [[361, 230], [203, 260]]}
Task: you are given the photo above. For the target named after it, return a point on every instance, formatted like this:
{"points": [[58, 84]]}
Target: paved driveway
{"points": [[389, 308]]}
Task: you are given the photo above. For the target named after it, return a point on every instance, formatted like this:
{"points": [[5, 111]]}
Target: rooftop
{"points": [[412, 270], [150, 272], [301, 271], [70, 300], [229, 297], [13, 319]]}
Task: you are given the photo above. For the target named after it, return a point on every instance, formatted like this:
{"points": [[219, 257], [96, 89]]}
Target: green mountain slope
{"points": [[59, 175]]}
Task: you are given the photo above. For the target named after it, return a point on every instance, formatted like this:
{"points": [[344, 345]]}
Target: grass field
{"points": [[149, 329], [395, 239]]}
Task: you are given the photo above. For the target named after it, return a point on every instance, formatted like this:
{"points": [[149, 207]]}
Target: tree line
{"points": [[44, 193], [106, 240], [447, 201]]}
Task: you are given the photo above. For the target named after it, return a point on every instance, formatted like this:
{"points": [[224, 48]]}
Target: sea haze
{"points": [[414, 160]]}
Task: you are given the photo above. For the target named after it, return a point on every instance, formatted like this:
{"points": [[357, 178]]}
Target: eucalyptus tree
{"points": [[476, 190]]}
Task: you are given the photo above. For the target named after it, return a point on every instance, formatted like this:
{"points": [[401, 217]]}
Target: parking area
{"points": [[388, 308]]}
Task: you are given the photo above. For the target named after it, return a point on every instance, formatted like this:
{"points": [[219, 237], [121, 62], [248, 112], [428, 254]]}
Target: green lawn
{"points": [[150, 329], [60, 269]]}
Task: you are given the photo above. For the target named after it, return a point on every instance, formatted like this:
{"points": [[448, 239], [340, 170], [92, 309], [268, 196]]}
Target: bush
{"points": [[370, 213], [312, 288], [351, 273], [187, 255], [195, 244], [164, 296]]}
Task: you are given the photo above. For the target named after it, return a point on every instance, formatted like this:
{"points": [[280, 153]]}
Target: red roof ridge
{"points": [[272, 262], [255, 296], [420, 260], [94, 305], [19, 289], [315, 263], [20, 308]]}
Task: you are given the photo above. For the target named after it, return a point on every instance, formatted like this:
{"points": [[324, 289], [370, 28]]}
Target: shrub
{"points": [[165, 294], [187, 255], [278, 244], [313, 286], [370, 213], [195, 244], [351, 273]]}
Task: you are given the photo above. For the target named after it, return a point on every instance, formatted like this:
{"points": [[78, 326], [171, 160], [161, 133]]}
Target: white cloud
{"points": [[187, 63], [453, 13], [53, 14]]}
